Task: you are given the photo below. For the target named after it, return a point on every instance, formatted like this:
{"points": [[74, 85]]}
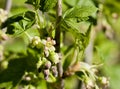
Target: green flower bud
{"points": [[39, 45], [39, 63], [90, 83], [54, 57], [35, 41], [52, 48]]}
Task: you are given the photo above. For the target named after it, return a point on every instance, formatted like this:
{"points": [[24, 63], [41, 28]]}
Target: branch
{"points": [[57, 38], [57, 33], [8, 4]]}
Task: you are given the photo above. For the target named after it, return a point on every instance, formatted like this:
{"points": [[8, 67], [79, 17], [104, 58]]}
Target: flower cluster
{"points": [[89, 75], [50, 58], [90, 78]]}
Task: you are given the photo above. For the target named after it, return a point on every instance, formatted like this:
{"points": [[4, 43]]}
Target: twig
{"points": [[57, 38], [8, 4], [57, 33]]}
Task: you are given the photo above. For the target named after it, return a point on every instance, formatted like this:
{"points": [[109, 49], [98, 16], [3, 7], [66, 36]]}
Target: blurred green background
{"points": [[106, 37]]}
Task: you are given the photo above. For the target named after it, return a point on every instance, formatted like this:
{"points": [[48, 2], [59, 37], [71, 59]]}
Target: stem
{"points": [[29, 37], [38, 18], [57, 33], [57, 46], [8, 4]]}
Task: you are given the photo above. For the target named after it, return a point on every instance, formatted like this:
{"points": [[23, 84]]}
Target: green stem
{"points": [[38, 18], [28, 35]]}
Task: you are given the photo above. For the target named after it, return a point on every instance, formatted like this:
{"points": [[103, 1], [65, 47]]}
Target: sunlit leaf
{"points": [[35, 3], [11, 20], [47, 4], [26, 20], [84, 8]]}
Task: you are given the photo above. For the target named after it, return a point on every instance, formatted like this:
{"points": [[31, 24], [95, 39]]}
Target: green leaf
{"points": [[16, 69], [35, 3], [83, 39], [80, 75], [10, 29], [30, 2], [82, 9], [30, 17], [72, 27], [15, 29], [30, 24], [68, 57], [115, 4], [47, 4], [16, 46], [19, 23], [13, 19], [87, 36], [6, 85], [14, 72], [71, 3]]}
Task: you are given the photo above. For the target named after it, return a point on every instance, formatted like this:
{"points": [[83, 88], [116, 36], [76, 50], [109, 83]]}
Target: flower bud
{"points": [[54, 71], [35, 41], [39, 45], [52, 48], [105, 81], [3, 15], [44, 41], [90, 84], [54, 57], [50, 42], [46, 73], [46, 51], [47, 65]]}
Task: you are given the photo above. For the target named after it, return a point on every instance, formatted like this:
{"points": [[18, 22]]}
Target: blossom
{"points": [[49, 46]]}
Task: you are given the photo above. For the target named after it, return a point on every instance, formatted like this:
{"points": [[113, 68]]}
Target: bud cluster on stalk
{"points": [[48, 68], [49, 58], [89, 77]]}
